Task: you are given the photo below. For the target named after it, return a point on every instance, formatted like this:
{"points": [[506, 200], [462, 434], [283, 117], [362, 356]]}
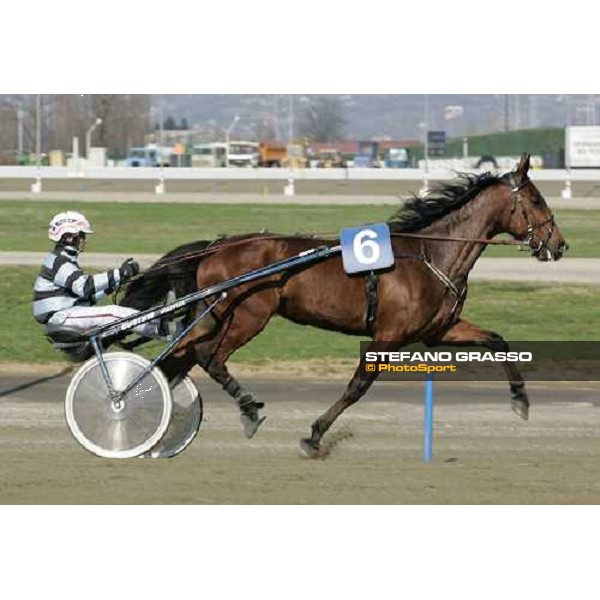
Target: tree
{"points": [[169, 124], [69, 120], [125, 119], [17, 123], [323, 119]]}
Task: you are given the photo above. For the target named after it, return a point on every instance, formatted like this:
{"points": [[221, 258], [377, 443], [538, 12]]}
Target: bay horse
{"points": [[436, 241]]}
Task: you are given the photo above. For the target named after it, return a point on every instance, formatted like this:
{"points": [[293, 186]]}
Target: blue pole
{"points": [[428, 433]]}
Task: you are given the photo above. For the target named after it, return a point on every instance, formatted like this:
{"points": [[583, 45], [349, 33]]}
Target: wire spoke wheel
{"points": [[118, 429], [185, 421]]}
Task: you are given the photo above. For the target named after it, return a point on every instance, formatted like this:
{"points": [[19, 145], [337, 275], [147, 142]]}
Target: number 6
{"points": [[360, 244]]}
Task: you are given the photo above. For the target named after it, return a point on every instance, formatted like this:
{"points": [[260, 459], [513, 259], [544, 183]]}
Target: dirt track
{"points": [[483, 452]]}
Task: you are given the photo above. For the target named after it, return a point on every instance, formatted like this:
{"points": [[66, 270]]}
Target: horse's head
{"points": [[530, 219]]}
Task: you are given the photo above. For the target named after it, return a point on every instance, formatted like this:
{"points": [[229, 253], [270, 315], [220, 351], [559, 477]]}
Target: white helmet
{"points": [[68, 222]]}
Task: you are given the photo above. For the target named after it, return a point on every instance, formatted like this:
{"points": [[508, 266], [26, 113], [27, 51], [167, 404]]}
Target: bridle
{"points": [[536, 249], [515, 190]]}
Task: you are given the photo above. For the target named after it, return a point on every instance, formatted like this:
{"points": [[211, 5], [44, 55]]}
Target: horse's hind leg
{"points": [[249, 407], [464, 333], [246, 321]]}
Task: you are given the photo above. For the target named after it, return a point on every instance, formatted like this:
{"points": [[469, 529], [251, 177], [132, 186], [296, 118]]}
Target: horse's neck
{"points": [[478, 219]]}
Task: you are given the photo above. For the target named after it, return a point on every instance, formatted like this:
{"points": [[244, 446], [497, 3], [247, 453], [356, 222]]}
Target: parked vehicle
{"points": [[329, 159], [272, 154], [368, 155], [149, 156], [243, 154], [209, 155], [397, 158]]}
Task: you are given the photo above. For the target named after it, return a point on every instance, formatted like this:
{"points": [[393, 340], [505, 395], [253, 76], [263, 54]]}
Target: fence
{"points": [[552, 182]]}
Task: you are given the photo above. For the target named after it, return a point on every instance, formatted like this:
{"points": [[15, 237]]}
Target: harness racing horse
{"points": [[436, 241]]}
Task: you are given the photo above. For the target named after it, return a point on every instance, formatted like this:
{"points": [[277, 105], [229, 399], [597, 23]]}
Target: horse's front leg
{"points": [[464, 333], [356, 389]]}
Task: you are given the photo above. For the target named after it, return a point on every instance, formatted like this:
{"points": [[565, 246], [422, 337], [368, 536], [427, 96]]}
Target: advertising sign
{"points": [[436, 141], [582, 147]]}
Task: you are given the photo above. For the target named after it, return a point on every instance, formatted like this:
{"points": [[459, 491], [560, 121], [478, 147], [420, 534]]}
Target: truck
{"points": [[149, 156], [209, 155], [328, 158], [368, 155], [397, 158], [272, 154], [243, 154]]}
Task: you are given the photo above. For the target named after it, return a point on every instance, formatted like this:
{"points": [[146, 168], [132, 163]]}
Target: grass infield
{"points": [[518, 311]]}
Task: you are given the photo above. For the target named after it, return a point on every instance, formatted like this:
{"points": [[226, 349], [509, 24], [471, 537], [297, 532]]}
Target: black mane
{"points": [[418, 212], [175, 270]]}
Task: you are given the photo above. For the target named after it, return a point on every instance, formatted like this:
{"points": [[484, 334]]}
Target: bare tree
{"points": [[125, 120], [18, 118], [323, 119], [9, 123], [65, 116], [69, 121]]}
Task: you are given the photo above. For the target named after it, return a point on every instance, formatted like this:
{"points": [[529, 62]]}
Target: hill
{"points": [[392, 116]]}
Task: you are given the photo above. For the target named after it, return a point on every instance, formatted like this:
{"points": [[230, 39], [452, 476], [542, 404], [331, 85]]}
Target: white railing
{"points": [[257, 174]]}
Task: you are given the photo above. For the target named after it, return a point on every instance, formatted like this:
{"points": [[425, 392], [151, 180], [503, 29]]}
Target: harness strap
{"points": [[371, 285], [459, 295], [441, 276]]}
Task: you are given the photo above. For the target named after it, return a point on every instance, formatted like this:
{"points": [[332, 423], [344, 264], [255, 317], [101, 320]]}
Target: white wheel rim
{"points": [[185, 421], [109, 431]]}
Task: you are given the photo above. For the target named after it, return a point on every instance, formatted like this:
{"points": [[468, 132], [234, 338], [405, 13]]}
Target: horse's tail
{"points": [[174, 271]]}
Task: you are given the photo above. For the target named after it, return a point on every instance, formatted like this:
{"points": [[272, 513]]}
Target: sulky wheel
{"points": [[111, 428], [185, 422]]}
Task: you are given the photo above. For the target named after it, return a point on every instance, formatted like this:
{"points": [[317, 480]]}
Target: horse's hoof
{"points": [[310, 450], [521, 407], [250, 424]]}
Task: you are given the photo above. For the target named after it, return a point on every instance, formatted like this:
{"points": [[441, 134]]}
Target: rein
{"points": [[440, 238], [222, 245]]}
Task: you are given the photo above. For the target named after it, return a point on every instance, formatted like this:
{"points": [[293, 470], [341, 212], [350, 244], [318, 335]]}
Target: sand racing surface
{"points": [[483, 453]]}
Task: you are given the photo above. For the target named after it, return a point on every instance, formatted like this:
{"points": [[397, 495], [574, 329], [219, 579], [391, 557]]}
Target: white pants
{"points": [[87, 317]]}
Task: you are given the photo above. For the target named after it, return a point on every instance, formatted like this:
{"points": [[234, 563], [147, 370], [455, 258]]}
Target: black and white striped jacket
{"points": [[61, 284]]}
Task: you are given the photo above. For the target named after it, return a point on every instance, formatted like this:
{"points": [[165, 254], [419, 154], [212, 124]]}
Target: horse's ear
{"points": [[523, 166]]}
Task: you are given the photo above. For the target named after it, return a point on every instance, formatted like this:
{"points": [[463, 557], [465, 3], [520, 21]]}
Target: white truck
{"points": [[209, 155], [149, 156], [243, 154]]}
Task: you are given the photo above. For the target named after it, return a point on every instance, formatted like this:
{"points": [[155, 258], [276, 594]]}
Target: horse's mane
{"points": [[175, 271], [419, 212], [167, 273]]}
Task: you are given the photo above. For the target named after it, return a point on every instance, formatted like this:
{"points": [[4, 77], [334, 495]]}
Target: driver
{"points": [[64, 295]]}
